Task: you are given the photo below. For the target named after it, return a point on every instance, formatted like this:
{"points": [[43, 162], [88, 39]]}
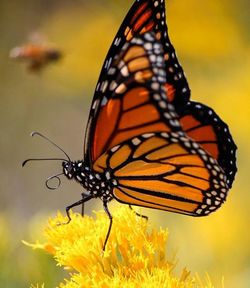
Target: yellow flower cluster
{"points": [[134, 256]]}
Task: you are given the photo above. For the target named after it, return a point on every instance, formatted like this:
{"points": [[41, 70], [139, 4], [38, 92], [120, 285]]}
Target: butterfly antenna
{"points": [[42, 159], [51, 178], [46, 138]]}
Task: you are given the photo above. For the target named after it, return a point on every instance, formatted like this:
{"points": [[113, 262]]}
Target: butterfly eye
{"points": [[68, 170], [65, 165]]}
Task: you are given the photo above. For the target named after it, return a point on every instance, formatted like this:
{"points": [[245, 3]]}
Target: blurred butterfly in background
{"points": [[146, 143], [37, 53]]}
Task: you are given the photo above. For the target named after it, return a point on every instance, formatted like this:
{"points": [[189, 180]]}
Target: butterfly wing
{"points": [[205, 127], [137, 138], [166, 171], [134, 100], [144, 16]]}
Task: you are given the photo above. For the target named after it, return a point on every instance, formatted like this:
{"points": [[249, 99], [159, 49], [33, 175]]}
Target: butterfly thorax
{"points": [[100, 185]]}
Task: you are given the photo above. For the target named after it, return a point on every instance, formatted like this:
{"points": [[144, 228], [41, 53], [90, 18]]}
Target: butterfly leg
{"points": [[80, 202], [138, 214], [84, 195], [105, 205]]}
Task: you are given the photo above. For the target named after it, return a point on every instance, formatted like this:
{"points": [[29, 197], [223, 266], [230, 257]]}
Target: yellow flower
{"points": [[134, 257], [37, 286]]}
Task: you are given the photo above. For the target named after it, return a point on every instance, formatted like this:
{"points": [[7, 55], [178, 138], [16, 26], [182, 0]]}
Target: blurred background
{"points": [[212, 42]]}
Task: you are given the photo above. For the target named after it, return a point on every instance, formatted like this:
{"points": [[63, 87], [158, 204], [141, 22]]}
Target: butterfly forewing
{"points": [[144, 16], [135, 100]]}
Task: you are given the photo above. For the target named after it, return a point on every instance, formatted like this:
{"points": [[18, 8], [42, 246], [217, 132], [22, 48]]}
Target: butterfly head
{"points": [[69, 169], [76, 170]]}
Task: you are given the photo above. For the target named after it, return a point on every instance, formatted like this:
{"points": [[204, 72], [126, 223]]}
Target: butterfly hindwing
{"points": [[205, 127], [166, 171]]}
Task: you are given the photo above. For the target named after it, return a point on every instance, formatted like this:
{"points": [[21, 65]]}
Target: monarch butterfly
{"points": [[146, 144]]}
